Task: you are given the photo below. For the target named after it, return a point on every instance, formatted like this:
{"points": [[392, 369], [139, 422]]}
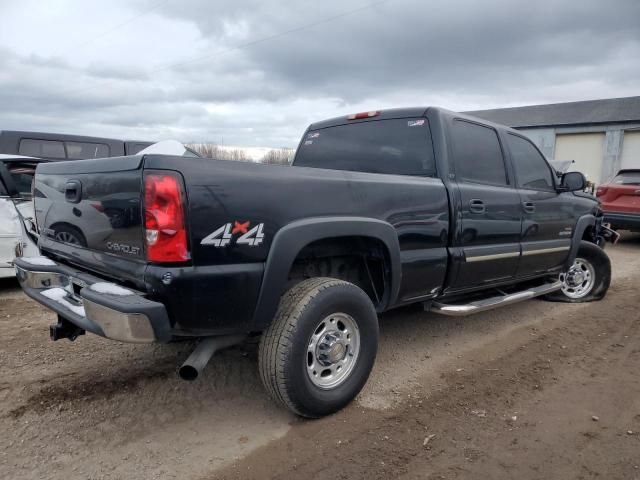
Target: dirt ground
{"points": [[532, 391]]}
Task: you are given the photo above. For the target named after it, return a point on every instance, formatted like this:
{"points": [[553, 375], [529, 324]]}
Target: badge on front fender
{"points": [[226, 235]]}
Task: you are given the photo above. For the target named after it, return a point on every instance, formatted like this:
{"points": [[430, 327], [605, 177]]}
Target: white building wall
{"points": [[630, 157], [585, 149], [600, 159]]}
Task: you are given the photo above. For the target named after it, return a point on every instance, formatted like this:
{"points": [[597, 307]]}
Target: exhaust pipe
{"points": [[207, 347]]}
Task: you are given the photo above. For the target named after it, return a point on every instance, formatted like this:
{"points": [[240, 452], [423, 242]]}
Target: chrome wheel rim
{"points": [[333, 350], [66, 237], [579, 280]]}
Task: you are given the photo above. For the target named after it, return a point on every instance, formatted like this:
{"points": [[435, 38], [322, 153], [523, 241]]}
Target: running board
{"points": [[461, 310]]}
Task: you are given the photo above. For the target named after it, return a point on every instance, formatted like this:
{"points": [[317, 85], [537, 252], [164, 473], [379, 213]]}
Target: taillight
{"points": [[601, 191], [361, 115], [164, 222]]}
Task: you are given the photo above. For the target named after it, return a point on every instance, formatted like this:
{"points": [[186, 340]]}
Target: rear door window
{"points": [[477, 154], [41, 148], [532, 170], [398, 146]]}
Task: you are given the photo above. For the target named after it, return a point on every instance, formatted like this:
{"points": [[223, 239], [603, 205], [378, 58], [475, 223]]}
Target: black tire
{"points": [[283, 351], [592, 254]]}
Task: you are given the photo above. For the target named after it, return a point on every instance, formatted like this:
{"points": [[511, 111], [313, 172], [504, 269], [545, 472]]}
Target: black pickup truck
{"points": [[379, 209]]}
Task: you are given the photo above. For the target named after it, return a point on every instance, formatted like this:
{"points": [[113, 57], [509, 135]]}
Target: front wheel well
{"points": [[363, 261], [589, 234]]}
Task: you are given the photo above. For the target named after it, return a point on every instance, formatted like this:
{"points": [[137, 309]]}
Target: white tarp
{"points": [[166, 147]]}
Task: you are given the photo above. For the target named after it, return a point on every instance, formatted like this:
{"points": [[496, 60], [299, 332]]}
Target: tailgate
{"points": [[88, 212]]}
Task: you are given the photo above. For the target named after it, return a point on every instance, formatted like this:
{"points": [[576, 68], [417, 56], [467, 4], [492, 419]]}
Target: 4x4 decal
{"points": [[224, 235]]}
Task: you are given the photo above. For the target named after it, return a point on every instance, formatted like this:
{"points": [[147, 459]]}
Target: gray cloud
{"points": [[141, 80]]}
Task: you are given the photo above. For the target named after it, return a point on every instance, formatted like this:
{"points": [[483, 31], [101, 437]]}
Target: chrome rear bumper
{"points": [[104, 308]]}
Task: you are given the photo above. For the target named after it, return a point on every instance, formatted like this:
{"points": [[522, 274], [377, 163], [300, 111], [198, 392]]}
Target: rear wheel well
{"points": [[363, 261]]}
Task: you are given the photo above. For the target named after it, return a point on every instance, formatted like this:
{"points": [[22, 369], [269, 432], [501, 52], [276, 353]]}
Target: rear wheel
{"points": [[318, 352], [587, 279]]}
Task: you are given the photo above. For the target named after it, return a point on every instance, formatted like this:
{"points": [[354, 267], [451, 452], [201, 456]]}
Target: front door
{"points": [[547, 225], [487, 241]]}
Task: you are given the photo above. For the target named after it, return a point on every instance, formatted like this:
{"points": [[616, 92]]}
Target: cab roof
{"points": [[391, 113]]}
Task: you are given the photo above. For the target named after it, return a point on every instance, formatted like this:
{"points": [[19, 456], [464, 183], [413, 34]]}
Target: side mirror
{"points": [[573, 182]]}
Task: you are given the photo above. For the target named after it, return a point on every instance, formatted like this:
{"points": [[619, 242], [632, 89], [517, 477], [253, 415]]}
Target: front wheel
{"points": [[587, 279], [317, 354]]}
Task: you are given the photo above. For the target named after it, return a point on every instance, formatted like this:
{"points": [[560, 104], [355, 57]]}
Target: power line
{"points": [[269, 37], [130, 20], [248, 44]]}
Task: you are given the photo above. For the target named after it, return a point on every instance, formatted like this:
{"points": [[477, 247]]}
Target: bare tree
{"points": [[211, 150], [280, 156]]}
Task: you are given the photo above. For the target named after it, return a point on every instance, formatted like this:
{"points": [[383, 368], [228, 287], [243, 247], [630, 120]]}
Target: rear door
{"points": [[487, 239], [548, 218]]}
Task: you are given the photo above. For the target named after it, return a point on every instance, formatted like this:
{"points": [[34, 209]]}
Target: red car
{"points": [[621, 200]]}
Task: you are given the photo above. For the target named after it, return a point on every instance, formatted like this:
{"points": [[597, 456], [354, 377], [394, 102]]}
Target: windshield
{"points": [[627, 178], [23, 182]]}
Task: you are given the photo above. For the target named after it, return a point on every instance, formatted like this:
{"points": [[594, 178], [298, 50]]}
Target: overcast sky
{"points": [[257, 72]]}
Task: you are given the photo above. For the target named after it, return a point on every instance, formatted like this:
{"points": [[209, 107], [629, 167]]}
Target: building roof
{"points": [[590, 112]]}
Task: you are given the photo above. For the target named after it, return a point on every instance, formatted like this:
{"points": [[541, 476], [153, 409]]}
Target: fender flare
{"points": [[293, 237], [582, 224]]}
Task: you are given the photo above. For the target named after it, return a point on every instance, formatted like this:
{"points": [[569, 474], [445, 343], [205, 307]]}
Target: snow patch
{"points": [[60, 295], [110, 288], [42, 261]]}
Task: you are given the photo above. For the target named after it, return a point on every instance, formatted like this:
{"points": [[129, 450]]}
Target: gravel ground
{"points": [[535, 390]]}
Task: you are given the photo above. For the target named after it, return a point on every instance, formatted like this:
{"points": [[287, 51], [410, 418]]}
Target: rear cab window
{"points": [[42, 148], [400, 146], [79, 150], [62, 149]]}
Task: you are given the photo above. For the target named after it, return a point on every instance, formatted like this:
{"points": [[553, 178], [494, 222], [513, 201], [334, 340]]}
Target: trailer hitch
{"points": [[607, 234], [64, 329]]}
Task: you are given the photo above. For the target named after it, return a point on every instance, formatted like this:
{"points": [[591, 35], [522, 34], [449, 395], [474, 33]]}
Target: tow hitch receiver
{"points": [[64, 329], [608, 234]]}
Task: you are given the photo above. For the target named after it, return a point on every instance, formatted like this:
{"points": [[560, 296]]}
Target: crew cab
{"points": [[378, 210], [621, 200]]}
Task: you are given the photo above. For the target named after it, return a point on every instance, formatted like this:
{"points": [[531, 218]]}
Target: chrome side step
{"points": [[461, 310]]}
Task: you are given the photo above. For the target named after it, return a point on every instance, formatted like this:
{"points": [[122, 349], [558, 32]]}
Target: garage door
{"points": [[587, 149], [630, 150]]}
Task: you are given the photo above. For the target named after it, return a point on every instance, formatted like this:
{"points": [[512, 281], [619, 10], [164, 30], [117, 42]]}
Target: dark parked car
{"points": [[56, 146], [379, 209]]}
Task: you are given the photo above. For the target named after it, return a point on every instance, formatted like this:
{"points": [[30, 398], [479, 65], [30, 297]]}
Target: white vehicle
{"points": [[17, 226]]}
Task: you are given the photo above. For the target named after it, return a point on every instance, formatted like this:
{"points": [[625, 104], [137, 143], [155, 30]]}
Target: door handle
{"points": [[477, 206], [73, 191], [529, 207]]}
